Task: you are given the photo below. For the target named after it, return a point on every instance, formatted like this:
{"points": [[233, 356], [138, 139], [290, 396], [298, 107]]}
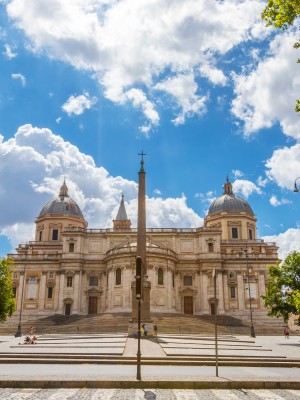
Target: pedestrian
{"points": [[31, 331], [145, 331], [155, 329], [142, 330], [286, 332]]}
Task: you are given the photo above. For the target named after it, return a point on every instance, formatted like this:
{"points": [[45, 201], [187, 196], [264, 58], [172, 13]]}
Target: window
{"points": [[173, 279], [232, 292], [55, 234], [210, 247], [231, 275], [160, 276], [51, 275], [32, 279], [93, 280], [250, 234], [40, 235], [188, 281], [15, 275], [118, 276], [50, 292], [69, 281], [234, 233], [15, 292], [71, 247]]}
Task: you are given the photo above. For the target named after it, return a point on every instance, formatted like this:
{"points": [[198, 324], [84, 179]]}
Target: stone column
{"points": [[220, 291], [21, 292], [76, 293], [241, 291], [42, 291], [61, 293]]}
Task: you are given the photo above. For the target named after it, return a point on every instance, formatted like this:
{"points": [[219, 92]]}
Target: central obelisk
{"points": [[142, 246]]}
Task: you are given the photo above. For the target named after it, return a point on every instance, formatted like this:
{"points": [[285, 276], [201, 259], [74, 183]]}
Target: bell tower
{"points": [[122, 222]]}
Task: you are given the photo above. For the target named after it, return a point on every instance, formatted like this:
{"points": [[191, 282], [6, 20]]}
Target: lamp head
{"points": [[295, 188]]}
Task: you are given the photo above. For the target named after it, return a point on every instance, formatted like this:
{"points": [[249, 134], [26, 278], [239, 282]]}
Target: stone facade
{"points": [[70, 269]]}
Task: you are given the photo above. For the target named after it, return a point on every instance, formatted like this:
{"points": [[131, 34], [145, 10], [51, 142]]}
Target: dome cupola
{"points": [[232, 215], [59, 213]]}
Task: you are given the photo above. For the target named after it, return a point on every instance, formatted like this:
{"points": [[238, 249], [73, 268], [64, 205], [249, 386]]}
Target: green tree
{"points": [[283, 289], [282, 14], [7, 300]]}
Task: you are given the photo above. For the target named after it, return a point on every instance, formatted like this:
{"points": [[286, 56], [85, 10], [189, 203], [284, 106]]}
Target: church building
{"points": [[69, 269]]}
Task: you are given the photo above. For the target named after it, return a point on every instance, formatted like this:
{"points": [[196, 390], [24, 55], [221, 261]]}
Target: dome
{"points": [[63, 204], [229, 202]]}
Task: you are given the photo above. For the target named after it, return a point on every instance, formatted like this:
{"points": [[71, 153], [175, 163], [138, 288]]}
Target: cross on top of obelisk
{"points": [[142, 154]]}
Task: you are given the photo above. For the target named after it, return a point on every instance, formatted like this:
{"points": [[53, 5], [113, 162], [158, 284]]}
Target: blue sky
{"points": [[203, 87]]}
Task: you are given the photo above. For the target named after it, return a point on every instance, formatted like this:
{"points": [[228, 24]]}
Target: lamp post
{"points": [[19, 330], [252, 331], [295, 185]]}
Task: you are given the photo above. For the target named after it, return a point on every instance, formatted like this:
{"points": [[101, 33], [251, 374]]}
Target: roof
{"points": [[229, 202], [122, 215], [63, 204]]}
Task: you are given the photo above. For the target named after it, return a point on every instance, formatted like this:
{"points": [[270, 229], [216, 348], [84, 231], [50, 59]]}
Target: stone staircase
{"points": [[119, 322]]}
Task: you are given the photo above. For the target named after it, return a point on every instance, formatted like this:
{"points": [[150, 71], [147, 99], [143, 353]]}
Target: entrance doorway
{"points": [[93, 304], [68, 309], [188, 305], [212, 309]]}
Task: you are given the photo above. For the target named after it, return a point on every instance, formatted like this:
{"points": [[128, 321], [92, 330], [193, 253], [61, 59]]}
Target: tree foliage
{"points": [[283, 288], [7, 300], [282, 14]]}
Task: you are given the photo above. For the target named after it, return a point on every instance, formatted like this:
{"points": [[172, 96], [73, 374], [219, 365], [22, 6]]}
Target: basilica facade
{"points": [[70, 269]]}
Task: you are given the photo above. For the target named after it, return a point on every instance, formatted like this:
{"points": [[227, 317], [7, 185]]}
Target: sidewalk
{"points": [[46, 375]]}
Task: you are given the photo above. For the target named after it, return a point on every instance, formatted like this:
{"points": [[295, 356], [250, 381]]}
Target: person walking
{"points": [[145, 331], [155, 330], [286, 332]]}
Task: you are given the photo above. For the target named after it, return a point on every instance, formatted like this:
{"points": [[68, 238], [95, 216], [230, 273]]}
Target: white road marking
{"points": [[185, 394], [23, 393], [62, 394], [266, 394], [225, 394], [103, 394]]}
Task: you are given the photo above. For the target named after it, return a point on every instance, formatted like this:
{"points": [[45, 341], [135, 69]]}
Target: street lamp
{"points": [[252, 332], [295, 185], [19, 330]]}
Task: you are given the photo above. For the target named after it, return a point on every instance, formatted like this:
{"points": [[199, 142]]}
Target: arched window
{"points": [[160, 276], [118, 276]]}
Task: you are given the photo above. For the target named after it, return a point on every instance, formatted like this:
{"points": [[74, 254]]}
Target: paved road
{"points": [[147, 394]]}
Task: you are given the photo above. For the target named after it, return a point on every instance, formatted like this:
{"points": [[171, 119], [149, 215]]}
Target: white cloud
{"points": [[131, 44], [183, 87], [20, 77], [237, 173], [48, 158], [275, 202], [284, 166], [245, 187], [287, 241], [268, 94], [140, 100], [77, 105], [8, 53]]}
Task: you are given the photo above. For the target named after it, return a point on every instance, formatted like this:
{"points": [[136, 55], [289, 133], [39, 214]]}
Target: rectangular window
{"points": [[50, 292], [15, 292], [188, 281], [32, 279], [55, 234], [51, 275], [15, 275], [93, 280], [173, 279], [71, 247], [69, 281], [250, 234], [232, 292], [210, 247], [40, 235], [234, 233]]}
